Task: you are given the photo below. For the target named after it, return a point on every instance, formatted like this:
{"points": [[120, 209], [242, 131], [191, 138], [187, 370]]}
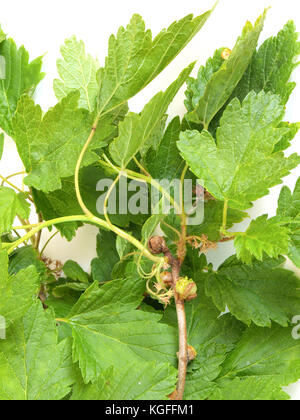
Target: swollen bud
{"points": [[192, 354], [166, 278], [157, 245], [226, 53], [186, 288]]}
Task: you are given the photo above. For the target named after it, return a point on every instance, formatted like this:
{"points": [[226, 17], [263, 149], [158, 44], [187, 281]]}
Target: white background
{"points": [[42, 27]]}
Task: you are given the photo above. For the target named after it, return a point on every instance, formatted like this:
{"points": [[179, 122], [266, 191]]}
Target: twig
{"points": [[182, 327], [39, 234]]}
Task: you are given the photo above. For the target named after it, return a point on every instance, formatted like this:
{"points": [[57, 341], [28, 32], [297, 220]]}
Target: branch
{"points": [[158, 245]]}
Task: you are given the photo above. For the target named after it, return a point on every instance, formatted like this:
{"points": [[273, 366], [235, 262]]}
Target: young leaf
{"points": [[32, 365], [223, 82], [78, 71], [17, 292], [134, 59], [289, 209], [272, 65], [242, 166], [136, 129], [138, 381], [20, 77], [49, 146], [260, 294], [74, 272], [25, 257], [262, 236]]}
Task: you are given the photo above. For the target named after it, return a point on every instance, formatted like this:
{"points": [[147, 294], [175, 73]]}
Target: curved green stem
{"points": [[5, 180], [78, 165], [105, 206], [225, 211], [136, 176], [92, 220], [47, 243], [11, 176]]}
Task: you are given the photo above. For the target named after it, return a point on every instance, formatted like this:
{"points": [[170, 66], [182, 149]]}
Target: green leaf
{"points": [[2, 35], [285, 142], [196, 87], [265, 353], [166, 162], [289, 208], [261, 293], [117, 336], [272, 65], [150, 225], [11, 205], [50, 146], [138, 381], [136, 129], [246, 389], [123, 247], [107, 257], [128, 291], [262, 236], [21, 77], [242, 166], [74, 272], [32, 365], [17, 292], [200, 382], [1, 144], [223, 82], [25, 257], [78, 71], [134, 59]]}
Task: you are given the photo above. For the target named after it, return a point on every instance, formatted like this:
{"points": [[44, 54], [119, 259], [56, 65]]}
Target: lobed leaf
{"points": [[260, 293], [78, 71], [21, 77], [33, 366], [242, 165], [138, 381], [263, 236], [134, 59]]}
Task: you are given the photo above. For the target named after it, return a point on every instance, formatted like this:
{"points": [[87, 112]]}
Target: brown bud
{"points": [[166, 278], [157, 245]]}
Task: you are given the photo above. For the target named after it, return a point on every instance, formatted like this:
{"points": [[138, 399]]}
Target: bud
{"points": [[192, 354], [186, 288], [157, 245], [226, 53], [166, 278]]}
